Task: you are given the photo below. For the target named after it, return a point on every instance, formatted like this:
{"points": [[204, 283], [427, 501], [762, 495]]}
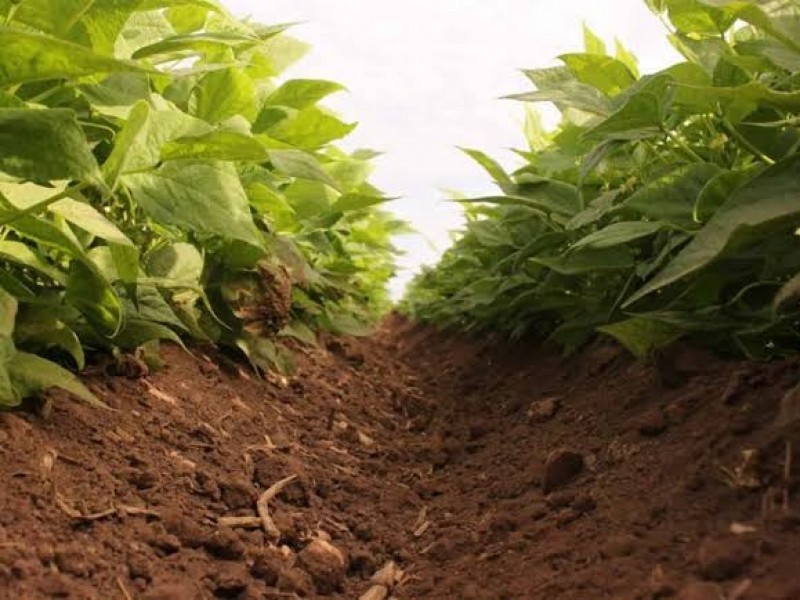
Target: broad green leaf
{"points": [[224, 94], [640, 336], [604, 73], [118, 94], [30, 56], [570, 94], [44, 145], [204, 197], [144, 144], [179, 262], [217, 145], [672, 198], [619, 233], [137, 332], [588, 260], [39, 330], [302, 93], [31, 375], [310, 129], [297, 163], [768, 203], [89, 219]]}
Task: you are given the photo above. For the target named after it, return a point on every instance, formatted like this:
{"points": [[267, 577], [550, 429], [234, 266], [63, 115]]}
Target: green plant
{"points": [[158, 182], [663, 206]]}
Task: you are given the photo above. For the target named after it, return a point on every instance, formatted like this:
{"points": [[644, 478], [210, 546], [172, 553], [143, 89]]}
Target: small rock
{"points": [[237, 494], [725, 558], [268, 566], [190, 533], [325, 563], [230, 580], [143, 479], [296, 581], [166, 543], [562, 466], [225, 544], [542, 411], [701, 591], [653, 423]]}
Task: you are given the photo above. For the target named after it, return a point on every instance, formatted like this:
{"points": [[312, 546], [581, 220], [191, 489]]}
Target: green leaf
{"points": [[768, 203], [204, 197], [493, 168], [217, 145], [188, 44], [224, 94], [124, 141], [137, 332], [302, 93], [94, 298], [44, 145], [592, 43], [38, 330], [89, 219], [619, 233], [35, 57], [31, 375], [672, 198], [641, 336], [604, 73], [354, 202], [26, 256], [588, 260], [310, 128], [297, 163], [144, 144], [181, 263]]}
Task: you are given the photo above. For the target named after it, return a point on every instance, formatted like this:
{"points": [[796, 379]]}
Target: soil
{"points": [[454, 468]]}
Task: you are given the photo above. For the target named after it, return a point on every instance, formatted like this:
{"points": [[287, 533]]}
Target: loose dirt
{"points": [[413, 465]]}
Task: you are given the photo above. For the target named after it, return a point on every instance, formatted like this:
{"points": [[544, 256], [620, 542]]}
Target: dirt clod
{"points": [[561, 468], [325, 563], [542, 411]]}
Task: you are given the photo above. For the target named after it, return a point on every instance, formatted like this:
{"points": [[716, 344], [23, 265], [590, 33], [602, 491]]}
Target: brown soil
{"points": [[483, 471]]}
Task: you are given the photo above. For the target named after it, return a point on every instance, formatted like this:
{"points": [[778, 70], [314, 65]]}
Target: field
{"points": [[207, 392]]}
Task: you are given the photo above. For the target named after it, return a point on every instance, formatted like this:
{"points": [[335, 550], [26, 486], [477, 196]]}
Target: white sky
{"points": [[424, 77]]}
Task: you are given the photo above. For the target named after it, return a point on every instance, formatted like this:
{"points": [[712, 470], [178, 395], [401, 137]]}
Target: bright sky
{"points": [[425, 76]]}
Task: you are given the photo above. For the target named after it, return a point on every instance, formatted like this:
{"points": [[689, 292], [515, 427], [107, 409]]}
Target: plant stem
{"points": [[683, 146]]}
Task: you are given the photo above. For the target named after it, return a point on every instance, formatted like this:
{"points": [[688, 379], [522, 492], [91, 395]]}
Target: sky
{"points": [[425, 77]]}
